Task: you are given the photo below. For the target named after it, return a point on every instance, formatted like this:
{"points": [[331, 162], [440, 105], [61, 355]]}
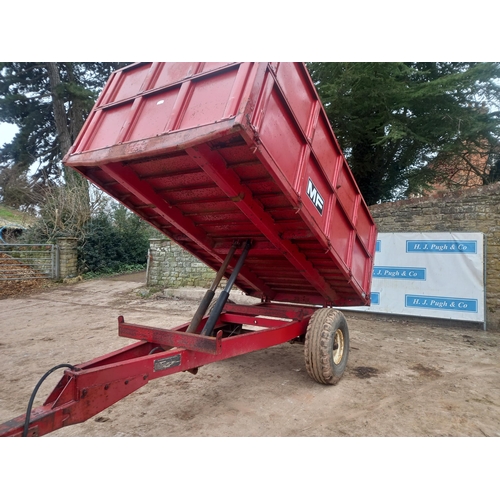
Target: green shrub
{"points": [[115, 241]]}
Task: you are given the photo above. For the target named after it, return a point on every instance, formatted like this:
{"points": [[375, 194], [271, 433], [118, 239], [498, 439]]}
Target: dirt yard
{"points": [[403, 378]]}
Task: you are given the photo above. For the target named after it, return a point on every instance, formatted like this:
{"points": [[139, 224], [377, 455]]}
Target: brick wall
{"points": [[470, 210]]}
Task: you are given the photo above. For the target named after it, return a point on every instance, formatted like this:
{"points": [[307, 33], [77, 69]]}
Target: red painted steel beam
{"points": [[142, 190], [147, 148], [252, 321], [237, 90], [272, 310], [98, 384], [191, 341], [248, 277], [215, 166]]}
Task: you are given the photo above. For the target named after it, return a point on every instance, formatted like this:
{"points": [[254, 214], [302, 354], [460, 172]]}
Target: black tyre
{"points": [[326, 347]]}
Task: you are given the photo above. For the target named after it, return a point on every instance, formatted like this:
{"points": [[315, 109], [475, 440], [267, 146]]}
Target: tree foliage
{"points": [[401, 124], [115, 238], [64, 212], [15, 187], [49, 103]]}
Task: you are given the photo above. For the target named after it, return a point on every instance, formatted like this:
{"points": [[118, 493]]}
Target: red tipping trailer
{"points": [[228, 160]]}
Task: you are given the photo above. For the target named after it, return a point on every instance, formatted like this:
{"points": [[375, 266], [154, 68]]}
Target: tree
{"points": [[14, 187], [115, 240], [63, 211], [399, 124], [49, 103]]}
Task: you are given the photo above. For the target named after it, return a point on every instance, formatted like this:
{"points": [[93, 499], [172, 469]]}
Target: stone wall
{"points": [[68, 257], [470, 210], [170, 266]]}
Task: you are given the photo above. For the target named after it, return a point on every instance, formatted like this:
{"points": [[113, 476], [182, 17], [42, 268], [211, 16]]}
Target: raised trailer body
{"points": [[237, 163], [213, 152]]}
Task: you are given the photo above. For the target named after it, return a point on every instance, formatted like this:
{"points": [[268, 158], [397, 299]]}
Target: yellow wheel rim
{"points": [[338, 346]]}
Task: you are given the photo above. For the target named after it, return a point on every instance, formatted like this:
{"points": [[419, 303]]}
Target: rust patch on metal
{"points": [[238, 198]]}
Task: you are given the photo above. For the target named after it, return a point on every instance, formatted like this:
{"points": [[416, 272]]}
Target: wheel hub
{"points": [[338, 346]]}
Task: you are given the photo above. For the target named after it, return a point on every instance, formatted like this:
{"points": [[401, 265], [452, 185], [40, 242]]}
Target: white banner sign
{"points": [[438, 275]]}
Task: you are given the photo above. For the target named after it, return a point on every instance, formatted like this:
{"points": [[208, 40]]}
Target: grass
{"points": [[14, 216]]}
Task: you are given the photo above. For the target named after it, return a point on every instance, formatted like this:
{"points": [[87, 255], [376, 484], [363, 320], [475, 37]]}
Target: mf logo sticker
{"points": [[315, 197]]}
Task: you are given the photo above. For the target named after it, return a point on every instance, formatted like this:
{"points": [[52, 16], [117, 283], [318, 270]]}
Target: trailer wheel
{"points": [[327, 346]]}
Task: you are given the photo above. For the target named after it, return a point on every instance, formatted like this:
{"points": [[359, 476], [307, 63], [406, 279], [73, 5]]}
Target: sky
{"points": [[7, 133]]}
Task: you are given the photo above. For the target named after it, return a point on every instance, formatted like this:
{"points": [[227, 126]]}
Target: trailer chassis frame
{"points": [[93, 386]]}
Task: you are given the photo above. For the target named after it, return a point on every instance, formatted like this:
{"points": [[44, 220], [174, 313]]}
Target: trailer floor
{"points": [[403, 378]]}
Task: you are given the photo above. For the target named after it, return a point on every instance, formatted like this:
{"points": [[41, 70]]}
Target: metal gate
{"points": [[28, 261]]}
